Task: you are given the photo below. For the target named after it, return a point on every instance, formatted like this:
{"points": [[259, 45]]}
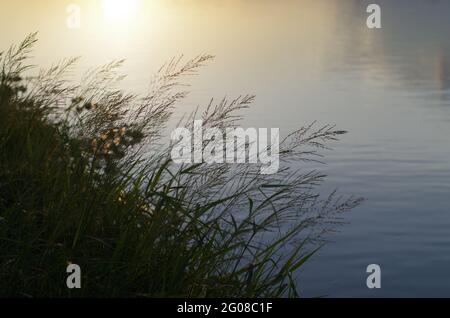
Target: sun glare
{"points": [[120, 10]]}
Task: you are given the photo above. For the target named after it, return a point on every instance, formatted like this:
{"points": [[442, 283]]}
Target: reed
{"points": [[85, 179]]}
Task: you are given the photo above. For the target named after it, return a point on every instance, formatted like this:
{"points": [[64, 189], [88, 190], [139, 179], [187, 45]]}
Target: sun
{"points": [[120, 10]]}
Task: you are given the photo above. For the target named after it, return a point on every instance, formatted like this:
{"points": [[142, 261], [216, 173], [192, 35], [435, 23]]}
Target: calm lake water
{"points": [[306, 60]]}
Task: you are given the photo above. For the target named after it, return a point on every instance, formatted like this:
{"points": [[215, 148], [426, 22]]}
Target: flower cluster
{"points": [[108, 140]]}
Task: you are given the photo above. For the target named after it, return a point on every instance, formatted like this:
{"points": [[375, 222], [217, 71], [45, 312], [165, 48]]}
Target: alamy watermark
{"points": [[374, 19], [232, 145], [73, 280], [73, 20], [373, 281]]}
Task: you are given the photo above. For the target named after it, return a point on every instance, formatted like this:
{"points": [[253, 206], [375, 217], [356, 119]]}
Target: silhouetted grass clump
{"points": [[84, 180]]}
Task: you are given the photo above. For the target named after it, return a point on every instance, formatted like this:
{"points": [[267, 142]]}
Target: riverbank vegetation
{"points": [[85, 178]]}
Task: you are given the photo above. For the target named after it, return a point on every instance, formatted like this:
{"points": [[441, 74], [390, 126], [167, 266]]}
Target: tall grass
{"points": [[84, 179]]}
